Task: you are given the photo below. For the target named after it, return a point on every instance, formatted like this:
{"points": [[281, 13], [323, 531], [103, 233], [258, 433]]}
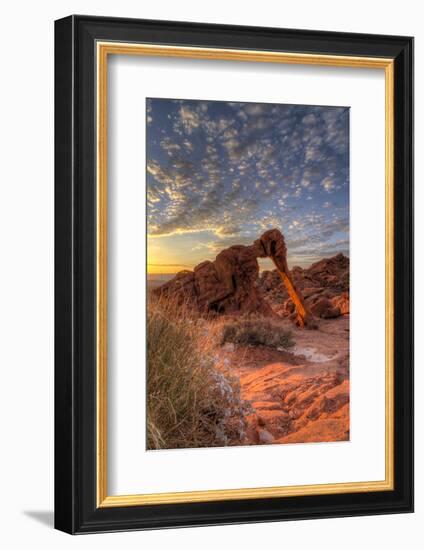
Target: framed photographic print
{"points": [[234, 269]]}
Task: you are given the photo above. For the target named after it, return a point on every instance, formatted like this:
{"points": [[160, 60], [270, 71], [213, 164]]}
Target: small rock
{"points": [[265, 437], [229, 347]]}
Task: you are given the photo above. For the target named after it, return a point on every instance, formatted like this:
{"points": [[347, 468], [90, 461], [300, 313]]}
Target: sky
{"points": [[221, 173]]}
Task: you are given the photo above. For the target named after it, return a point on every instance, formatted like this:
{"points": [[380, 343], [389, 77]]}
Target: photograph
{"points": [[233, 268], [247, 323]]}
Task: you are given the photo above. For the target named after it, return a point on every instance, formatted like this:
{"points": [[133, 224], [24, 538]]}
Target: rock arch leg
{"points": [[272, 245]]}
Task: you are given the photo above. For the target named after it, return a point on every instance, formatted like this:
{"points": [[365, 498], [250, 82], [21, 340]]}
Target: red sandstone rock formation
{"points": [[229, 283], [324, 287], [225, 285]]}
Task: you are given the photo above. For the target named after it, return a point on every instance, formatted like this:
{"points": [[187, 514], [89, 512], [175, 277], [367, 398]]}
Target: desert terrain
{"points": [[278, 344]]}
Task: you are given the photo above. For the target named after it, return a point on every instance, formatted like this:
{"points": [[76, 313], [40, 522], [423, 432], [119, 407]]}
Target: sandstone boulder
{"points": [[324, 308], [342, 302], [223, 286]]}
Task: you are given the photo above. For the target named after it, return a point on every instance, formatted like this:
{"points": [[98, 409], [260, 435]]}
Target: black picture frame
{"points": [[76, 510]]}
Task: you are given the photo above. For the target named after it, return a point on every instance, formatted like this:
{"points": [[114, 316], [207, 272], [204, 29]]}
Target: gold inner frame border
{"points": [[103, 50]]}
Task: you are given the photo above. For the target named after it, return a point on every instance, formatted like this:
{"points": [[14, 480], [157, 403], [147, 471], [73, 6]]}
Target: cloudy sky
{"points": [[221, 173]]}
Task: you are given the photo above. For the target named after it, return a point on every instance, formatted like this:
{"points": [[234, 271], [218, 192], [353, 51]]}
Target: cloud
{"points": [[216, 246], [227, 171], [189, 119], [328, 184], [149, 117], [309, 119], [228, 230], [188, 145], [169, 146], [255, 109]]}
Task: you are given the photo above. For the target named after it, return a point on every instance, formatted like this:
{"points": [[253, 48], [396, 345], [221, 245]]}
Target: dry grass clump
{"points": [[257, 331], [189, 403]]}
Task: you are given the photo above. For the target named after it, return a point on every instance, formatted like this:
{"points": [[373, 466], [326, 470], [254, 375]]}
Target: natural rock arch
{"points": [[272, 245], [227, 285]]}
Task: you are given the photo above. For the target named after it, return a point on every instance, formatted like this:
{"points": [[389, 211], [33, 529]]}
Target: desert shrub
{"points": [[189, 403], [257, 331]]}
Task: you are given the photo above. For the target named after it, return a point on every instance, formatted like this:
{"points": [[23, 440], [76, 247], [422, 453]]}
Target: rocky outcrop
{"points": [[330, 272], [229, 283], [324, 287], [294, 405], [298, 395], [223, 286]]}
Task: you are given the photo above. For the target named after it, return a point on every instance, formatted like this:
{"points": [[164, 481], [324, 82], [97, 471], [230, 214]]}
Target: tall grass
{"points": [[189, 403], [257, 331]]}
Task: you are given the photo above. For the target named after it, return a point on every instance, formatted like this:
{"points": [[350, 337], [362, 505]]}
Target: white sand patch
{"points": [[311, 354]]}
